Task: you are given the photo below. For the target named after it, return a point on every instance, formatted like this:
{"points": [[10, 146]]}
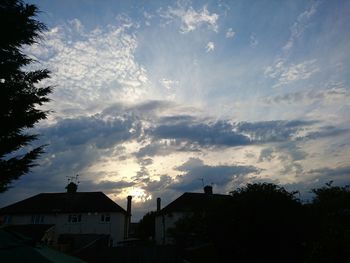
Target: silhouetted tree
{"points": [[146, 227], [330, 225], [332, 199], [194, 234], [263, 224], [191, 229], [19, 93], [260, 223]]}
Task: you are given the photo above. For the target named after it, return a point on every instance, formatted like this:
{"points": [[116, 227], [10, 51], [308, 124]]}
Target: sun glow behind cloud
{"points": [[138, 195]]}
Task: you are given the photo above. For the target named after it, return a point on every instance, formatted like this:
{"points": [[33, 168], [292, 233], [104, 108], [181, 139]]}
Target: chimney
{"points": [[127, 217], [208, 189], [71, 188], [158, 204], [128, 209]]}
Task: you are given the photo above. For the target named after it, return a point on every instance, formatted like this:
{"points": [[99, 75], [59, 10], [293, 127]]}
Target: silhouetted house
{"points": [[71, 213], [185, 205]]}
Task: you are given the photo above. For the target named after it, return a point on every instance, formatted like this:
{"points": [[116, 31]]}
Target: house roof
{"points": [[64, 203], [193, 202]]}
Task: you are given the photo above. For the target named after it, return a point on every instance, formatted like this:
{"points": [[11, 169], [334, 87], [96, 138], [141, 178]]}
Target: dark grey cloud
{"points": [[342, 172], [335, 94], [292, 167], [153, 106], [325, 131], [266, 154], [142, 176], [75, 144], [145, 161], [147, 108], [293, 149], [220, 133], [196, 172], [158, 185], [177, 119], [100, 131], [188, 134], [225, 133], [272, 131], [164, 148], [112, 185], [156, 148], [183, 132], [288, 153]]}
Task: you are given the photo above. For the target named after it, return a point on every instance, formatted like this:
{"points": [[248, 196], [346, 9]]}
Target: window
{"points": [[37, 219], [74, 218], [105, 218]]}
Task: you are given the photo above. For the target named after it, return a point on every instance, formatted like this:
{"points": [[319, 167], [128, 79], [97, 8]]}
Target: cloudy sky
{"points": [[155, 98]]}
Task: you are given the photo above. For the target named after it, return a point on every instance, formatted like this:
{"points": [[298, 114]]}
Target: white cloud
{"points": [[76, 25], [294, 72], [299, 71], [300, 25], [148, 17], [168, 83], [210, 47], [230, 33], [286, 74], [192, 19], [90, 69]]}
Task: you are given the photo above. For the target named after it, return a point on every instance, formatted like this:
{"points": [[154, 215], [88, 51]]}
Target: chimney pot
{"points": [[158, 204], [127, 217], [208, 189], [71, 188], [128, 209]]}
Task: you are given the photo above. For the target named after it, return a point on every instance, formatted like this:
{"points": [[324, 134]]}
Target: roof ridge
{"points": [[192, 200], [203, 194], [74, 193], [64, 203]]}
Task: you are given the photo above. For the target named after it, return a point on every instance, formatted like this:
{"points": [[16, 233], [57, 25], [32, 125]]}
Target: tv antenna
{"points": [[202, 179], [73, 179]]}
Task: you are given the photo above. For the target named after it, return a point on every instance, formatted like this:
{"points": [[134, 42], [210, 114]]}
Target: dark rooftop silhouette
{"points": [[64, 203], [193, 201]]}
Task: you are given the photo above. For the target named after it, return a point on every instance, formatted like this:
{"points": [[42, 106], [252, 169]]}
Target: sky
{"points": [[157, 98]]}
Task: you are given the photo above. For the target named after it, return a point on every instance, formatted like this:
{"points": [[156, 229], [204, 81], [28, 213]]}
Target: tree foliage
{"points": [[329, 213], [332, 198], [263, 222], [146, 226], [191, 230], [20, 94], [258, 224]]}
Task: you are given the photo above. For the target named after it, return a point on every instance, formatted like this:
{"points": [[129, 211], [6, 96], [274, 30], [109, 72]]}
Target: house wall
{"points": [[90, 224], [163, 223]]}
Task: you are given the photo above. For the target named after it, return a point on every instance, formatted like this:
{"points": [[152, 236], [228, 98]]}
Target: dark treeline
{"points": [[265, 223]]}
